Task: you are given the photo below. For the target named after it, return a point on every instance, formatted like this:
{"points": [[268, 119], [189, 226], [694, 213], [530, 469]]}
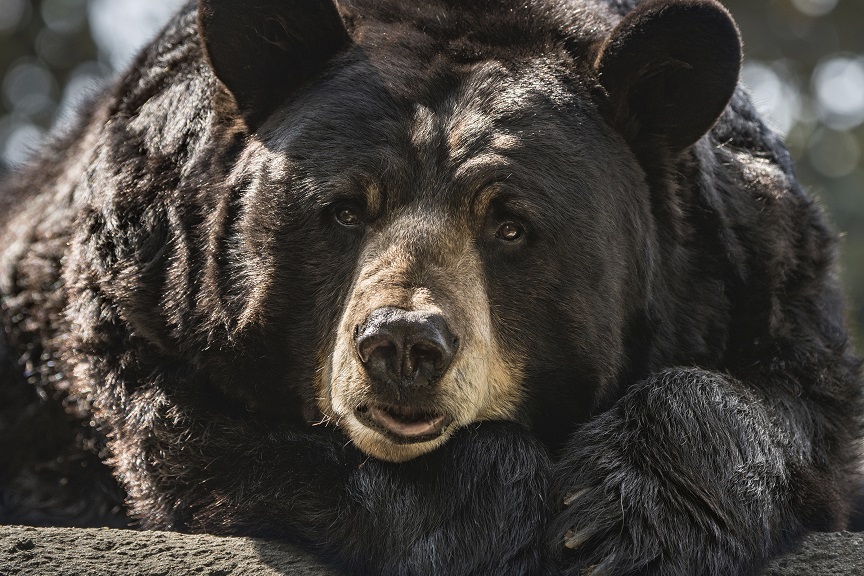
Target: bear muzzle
{"points": [[415, 355]]}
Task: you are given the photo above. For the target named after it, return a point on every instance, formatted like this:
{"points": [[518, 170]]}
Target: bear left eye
{"points": [[510, 231], [348, 214]]}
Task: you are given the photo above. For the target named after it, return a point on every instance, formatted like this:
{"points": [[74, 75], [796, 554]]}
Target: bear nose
{"points": [[405, 348]]}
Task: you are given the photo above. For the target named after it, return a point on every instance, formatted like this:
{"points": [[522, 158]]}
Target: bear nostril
{"points": [[374, 344], [404, 348], [378, 353], [425, 356]]}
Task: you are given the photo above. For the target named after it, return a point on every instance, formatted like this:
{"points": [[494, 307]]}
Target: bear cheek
{"points": [[486, 378]]}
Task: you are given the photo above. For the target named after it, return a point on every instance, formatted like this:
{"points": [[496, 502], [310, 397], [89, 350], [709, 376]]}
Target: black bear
{"points": [[451, 287]]}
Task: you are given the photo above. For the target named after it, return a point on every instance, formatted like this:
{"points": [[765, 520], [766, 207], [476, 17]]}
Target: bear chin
{"points": [[378, 442]]}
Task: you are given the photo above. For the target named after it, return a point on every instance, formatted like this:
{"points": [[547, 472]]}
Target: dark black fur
{"points": [[692, 403]]}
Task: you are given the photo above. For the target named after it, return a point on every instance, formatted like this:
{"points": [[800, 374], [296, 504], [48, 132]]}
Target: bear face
{"points": [[451, 198], [447, 220]]}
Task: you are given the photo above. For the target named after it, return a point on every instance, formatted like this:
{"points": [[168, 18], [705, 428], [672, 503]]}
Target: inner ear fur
{"points": [[261, 50], [670, 68]]}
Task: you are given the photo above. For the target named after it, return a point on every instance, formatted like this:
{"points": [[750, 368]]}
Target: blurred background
{"points": [[804, 67]]}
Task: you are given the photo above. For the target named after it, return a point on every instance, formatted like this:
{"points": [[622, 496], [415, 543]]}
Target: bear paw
{"points": [[653, 485]]}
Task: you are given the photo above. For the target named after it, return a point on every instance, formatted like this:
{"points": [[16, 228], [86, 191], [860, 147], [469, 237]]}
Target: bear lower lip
{"points": [[406, 424]]}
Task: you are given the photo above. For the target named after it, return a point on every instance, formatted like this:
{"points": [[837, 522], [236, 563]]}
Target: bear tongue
{"points": [[406, 422]]}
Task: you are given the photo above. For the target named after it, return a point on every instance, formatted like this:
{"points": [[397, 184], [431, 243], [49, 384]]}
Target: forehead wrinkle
{"points": [[467, 132], [484, 168], [424, 129], [494, 107], [471, 110], [419, 162]]}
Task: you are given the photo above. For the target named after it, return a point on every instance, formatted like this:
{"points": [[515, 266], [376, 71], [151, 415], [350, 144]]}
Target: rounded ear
{"points": [[670, 68], [263, 49]]}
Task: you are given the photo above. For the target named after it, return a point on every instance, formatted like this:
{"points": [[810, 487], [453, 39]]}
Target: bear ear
{"points": [[670, 68], [263, 49]]}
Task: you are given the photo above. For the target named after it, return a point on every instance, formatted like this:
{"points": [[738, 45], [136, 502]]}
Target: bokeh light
{"points": [[121, 27], [29, 88], [815, 7], [12, 12], [838, 83], [63, 16], [775, 93], [834, 153], [19, 139]]}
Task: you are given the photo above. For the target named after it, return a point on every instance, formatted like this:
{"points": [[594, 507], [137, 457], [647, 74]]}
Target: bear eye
{"points": [[348, 214], [510, 231]]}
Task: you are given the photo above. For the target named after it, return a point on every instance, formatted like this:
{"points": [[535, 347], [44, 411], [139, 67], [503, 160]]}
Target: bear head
{"points": [[443, 213]]}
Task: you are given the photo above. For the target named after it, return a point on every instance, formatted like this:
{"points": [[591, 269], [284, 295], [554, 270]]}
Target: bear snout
{"points": [[404, 350], [416, 355]]}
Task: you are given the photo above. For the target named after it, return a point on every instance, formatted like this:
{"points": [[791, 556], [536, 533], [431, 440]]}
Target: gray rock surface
{"points": [[104, 552], [824, 554], [26, 551]]}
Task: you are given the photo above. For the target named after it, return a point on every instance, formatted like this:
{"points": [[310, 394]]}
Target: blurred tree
{"points": [[805, 68]]}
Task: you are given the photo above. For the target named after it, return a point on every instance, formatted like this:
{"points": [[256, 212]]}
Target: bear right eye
{"points": [[348, 214], [510, 231]]}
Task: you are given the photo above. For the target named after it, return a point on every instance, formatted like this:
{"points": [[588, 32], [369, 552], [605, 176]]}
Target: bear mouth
{"points": [[403, 424]]}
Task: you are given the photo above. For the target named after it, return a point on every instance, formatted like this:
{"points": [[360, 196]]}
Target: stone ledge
{"points": [[823, 554], [26, 551]]}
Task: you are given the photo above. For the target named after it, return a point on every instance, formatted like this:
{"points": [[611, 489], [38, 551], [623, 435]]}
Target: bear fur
{"points": [[452, 287]]}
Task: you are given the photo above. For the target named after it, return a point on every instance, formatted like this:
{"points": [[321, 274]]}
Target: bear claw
{"points": [[574, 540]]}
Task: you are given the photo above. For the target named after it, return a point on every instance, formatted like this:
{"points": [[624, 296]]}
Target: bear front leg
{"points": [[690, 473]]}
